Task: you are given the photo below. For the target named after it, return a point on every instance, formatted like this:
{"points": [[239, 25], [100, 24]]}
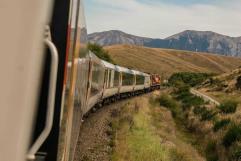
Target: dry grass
{"points": [[166, 62]]}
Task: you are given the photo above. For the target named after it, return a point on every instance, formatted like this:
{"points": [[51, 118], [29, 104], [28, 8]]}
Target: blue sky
{"points": [[163, 18]]}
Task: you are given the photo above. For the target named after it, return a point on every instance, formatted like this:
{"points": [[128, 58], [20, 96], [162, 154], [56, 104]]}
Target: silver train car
{"points": [[108, 82]]}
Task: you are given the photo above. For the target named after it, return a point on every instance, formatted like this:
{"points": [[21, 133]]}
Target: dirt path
{"points": [[94, 142]]}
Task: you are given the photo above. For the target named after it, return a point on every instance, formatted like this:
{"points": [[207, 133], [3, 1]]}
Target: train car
{"points": [[127, 81], [112, 82], [96, 82], [147, 83], [155, 81]]}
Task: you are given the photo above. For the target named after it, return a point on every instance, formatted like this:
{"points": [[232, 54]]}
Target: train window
{"points": [[127, 79], [116, 79], [106, 78], [140, 80], [111, 79], [96, 83]]}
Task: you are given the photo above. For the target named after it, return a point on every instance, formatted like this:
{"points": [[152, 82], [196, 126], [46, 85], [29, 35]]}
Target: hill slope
{"points": [[203, 41], [166, 62]]}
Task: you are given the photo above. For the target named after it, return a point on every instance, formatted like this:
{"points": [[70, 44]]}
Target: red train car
{"points": [[155, 81]]}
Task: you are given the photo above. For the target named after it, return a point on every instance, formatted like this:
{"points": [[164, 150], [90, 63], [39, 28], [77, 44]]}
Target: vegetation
{"points": [[208, 115], [233, 134], [228, 106], [100, 52], [236, 152], [211, 151], [188, 100], [220, 124], [189, 78], [238, 84], [168, 102]]}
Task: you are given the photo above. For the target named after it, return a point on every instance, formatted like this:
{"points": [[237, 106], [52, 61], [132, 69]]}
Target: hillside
{"points": [[203, 41], [166, 62]]}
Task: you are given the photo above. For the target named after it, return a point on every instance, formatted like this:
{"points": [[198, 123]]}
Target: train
{"points": [[109, 83], [50, 80]]}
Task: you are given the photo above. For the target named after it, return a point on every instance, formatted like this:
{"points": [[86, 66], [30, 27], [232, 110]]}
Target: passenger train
{"points": [[49, 79]]}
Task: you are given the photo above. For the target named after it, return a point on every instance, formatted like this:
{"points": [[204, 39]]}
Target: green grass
{"points": [[138, 142]]}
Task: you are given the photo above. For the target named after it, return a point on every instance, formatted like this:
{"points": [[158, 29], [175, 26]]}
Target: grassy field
{"points": [[143, 131], [166, 62]]}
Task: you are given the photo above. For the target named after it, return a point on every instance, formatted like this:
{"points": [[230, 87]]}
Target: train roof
{"points": [[123, 69], [108, 65], [140, 73]]}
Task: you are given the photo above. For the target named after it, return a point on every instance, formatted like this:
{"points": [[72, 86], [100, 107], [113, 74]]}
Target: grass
{"points": [[167, 62], [151, 137], [137, 141]]}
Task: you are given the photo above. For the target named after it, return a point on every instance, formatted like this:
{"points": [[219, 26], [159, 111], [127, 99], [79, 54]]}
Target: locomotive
{"points": [[49, 79]]}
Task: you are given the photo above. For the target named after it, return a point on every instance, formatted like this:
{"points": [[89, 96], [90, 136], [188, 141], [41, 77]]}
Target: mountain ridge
{"points": [[190, 40]]}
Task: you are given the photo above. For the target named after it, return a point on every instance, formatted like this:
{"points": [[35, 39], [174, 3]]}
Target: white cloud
{"points": [[160, 20]]}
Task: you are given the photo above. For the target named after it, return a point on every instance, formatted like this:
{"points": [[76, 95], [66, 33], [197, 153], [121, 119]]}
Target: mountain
{"points": [[168, 61], [201, 41], [114, 37]]}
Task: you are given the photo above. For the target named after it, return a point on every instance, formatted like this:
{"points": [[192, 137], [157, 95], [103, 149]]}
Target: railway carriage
{"points": [[96, 82], [112, 82], [127, 81]]}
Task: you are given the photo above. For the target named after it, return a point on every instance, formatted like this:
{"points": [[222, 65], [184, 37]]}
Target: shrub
{"points": [[170, 103], [208, 115], [183, 94], [211, 151], [238, 84], [233, 134], [220, 124], [228, 106], [189, 78], [100, 52], [198, 110], [167, 101]]}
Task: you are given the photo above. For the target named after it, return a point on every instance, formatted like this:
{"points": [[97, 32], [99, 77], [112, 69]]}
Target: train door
{"points": [[74, 96]]}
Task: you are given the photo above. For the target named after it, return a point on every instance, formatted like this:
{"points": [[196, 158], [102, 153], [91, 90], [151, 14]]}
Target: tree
{"points": [[100, 52]]}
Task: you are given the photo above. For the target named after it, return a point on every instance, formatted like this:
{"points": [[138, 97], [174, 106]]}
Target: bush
{"points": [[170, 103], [233, 134], [199, 110], [208, 115], [238, 84], [100, 52], [211, 151], [188, 100], [220, 124], [189, 78], [167, 101], [228, 106]]}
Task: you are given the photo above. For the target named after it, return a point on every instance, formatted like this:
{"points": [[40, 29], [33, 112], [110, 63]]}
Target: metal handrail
{"points": [[51, 100]]}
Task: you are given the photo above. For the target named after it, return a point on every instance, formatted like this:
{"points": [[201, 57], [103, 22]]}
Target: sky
{"points": [[163, 18]]}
